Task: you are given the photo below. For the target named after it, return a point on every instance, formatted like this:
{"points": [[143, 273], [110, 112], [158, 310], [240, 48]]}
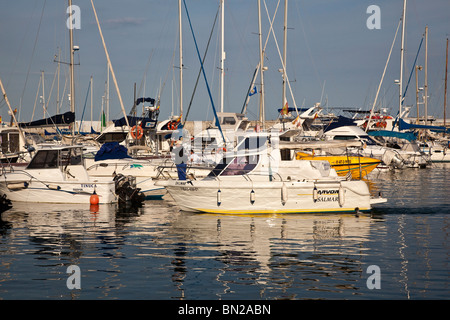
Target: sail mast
{"points": [[401, 60], [426, 77], [222, 60], [283, 94], [445, 90], [71, 65], [181, 59], [261, 63]]}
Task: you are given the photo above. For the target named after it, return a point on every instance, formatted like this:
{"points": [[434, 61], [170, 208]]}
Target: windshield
{"points": [[243, 160]]}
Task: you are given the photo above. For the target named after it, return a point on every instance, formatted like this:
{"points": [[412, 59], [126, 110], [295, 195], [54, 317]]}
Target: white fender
{"points": [[341, 196], [252, 196], [219, 197], [284, 194]]}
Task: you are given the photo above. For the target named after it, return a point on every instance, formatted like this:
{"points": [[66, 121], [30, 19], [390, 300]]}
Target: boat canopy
{"points": [[393, 134], [146, 123], [59, 119], [341, 122], [111, 150], [403, 125]]}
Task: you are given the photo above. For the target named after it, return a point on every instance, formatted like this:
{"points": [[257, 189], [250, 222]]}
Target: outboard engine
{"points": [[125, 189]]}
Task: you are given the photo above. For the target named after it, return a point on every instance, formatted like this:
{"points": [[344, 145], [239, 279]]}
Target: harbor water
{"points": [[401, 250]]}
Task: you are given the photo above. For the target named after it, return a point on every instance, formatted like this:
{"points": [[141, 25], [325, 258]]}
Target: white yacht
{"points": [[255, 179]]}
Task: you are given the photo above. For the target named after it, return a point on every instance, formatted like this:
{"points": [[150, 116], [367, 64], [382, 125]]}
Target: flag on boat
{"points": [[285, 109], [297, 122], [103, 120], [253, 91]]}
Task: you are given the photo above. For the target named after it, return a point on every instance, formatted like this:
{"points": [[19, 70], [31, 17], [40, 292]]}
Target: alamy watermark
{"points": [[74, 280], [374, 20], [74, 19], [374, 280]]}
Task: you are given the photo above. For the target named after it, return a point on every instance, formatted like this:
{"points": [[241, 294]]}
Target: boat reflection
{"points": [[300, 249]]}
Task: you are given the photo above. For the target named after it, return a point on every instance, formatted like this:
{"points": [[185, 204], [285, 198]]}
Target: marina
{"points": [[235, 195]]}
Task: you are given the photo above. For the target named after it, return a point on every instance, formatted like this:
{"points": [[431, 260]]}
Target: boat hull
{"points": [[20, 188], [359, 167], [247, 197]]}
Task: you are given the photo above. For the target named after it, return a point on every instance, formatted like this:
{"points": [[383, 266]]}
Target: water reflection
{"points": [[157, 252], [269, 251]]}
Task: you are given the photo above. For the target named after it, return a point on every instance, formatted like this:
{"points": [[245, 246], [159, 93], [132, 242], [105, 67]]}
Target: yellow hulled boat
{"points": [[359, 166]]}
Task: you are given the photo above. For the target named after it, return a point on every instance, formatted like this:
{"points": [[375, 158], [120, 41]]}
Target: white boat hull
{"points": [[246, 197], [20, 187]]}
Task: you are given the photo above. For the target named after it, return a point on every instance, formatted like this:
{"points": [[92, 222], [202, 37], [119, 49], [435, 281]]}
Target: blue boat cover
{"points": [[403, 125], [111, 150], [386, 133]]}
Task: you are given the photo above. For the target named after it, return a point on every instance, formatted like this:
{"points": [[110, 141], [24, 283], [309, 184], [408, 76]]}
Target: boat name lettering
{"points": [[178, 183], [327, 199], [189, 188], [327, 195], [88, 185], [342, 161], [327, 192]]}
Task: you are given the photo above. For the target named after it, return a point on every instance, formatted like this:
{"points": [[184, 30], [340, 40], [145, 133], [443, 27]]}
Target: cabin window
{"points": [[9, 142], [112, 137], [344, 138], [44, 159], [229, 120], [71, 157], [252, 143]]}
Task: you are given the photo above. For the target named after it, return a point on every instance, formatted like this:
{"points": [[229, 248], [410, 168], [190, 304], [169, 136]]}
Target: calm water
{"points": [[157, 252]]}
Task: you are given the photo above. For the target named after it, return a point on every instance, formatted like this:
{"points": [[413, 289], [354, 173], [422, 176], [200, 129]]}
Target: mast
{"points": [[445, 90], [181, 59], [418, 68], [283, 94], [107, 93], [92, 91], [43, 93], [426, 77], [110, 67], [401, 60], [261, 62], [222, 60], [57, 83], [72, 77]]}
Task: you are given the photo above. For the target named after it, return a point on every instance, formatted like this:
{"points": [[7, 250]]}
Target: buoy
{"points": [[94, 198], [219, 197], [252, 196]]}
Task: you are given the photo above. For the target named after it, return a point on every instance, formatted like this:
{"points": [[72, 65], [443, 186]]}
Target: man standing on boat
{"points": [[181, 159]]}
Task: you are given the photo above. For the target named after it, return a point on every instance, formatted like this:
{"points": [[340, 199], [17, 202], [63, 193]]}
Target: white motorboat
{"points": [[55, 174], [395, 154], [145, 172], [254, 179]]}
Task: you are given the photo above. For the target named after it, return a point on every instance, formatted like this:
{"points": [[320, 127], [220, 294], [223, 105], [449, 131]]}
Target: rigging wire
{"points": [[34, 48]]}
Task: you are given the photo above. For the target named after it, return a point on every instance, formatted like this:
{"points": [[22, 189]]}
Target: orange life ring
{"points": [[172, 125], [137, 132]]}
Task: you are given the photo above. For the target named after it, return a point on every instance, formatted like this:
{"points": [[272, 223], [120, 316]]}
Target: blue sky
{"points": [[332, 56]]}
